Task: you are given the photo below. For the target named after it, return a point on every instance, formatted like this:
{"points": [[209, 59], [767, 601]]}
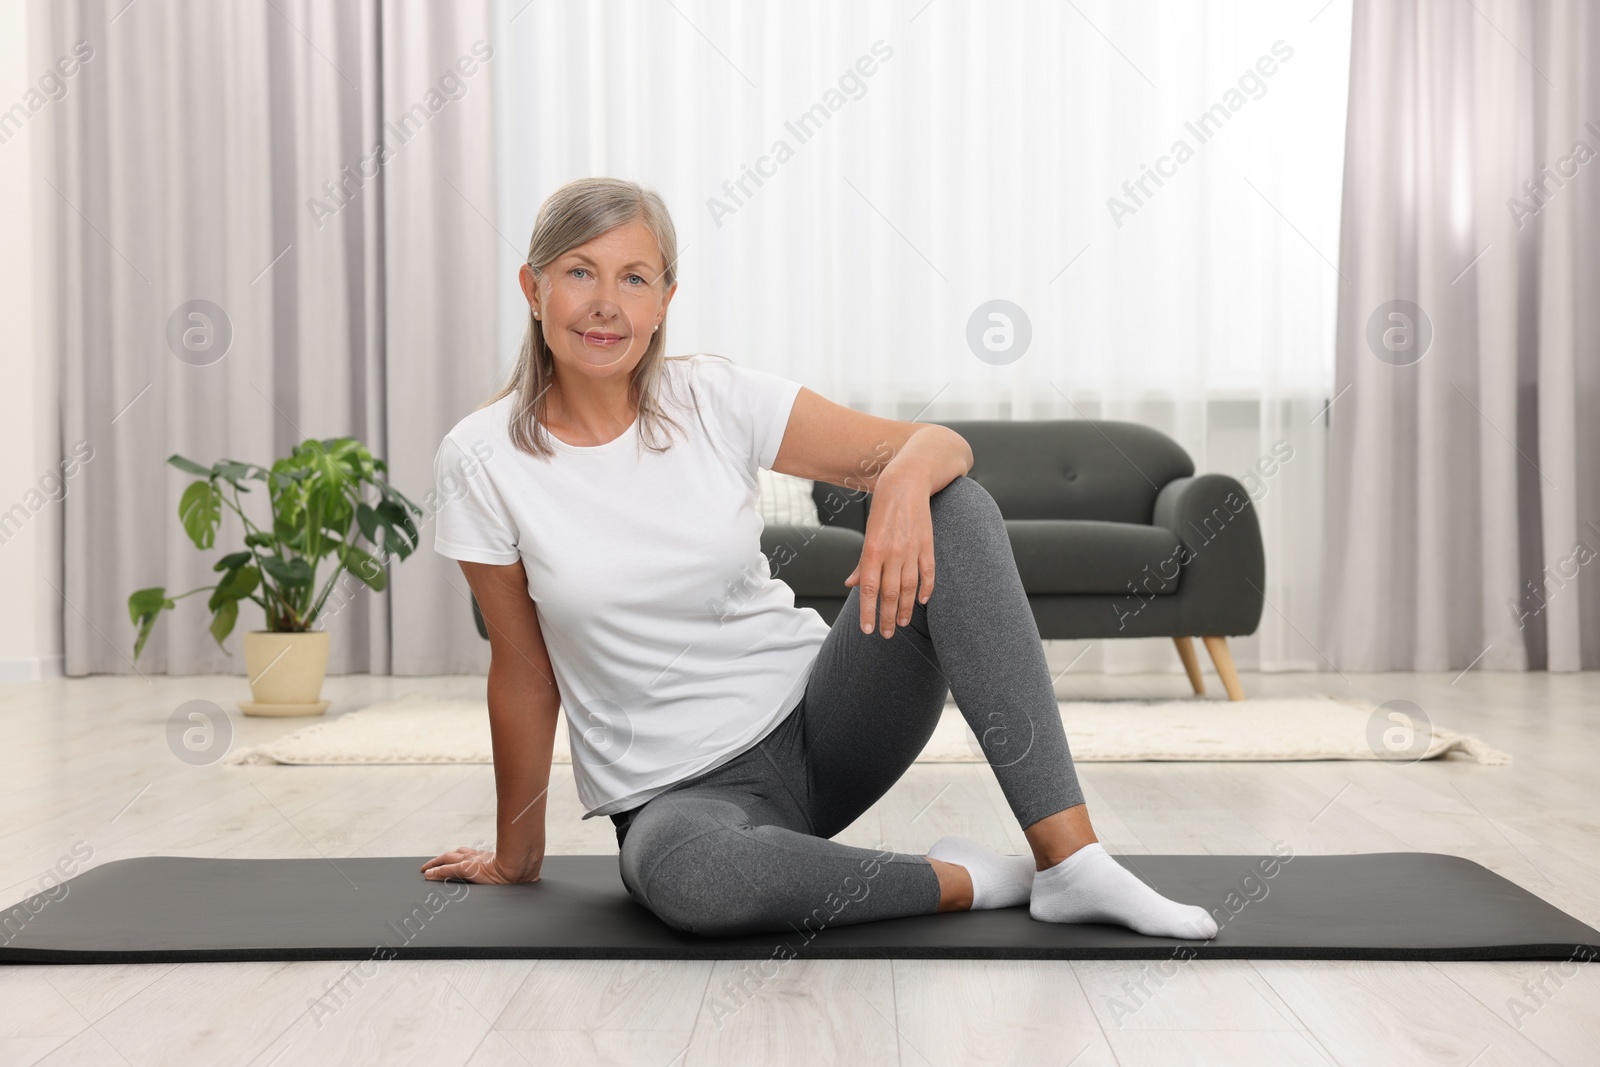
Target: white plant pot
{"points": [[286, 672]]}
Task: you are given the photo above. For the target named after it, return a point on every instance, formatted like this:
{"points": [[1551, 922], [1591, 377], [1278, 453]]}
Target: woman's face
{"points": [[599, 303]]}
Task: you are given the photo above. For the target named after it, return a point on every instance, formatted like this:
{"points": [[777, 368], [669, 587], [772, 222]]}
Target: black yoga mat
{"points": [[1377, 906]]}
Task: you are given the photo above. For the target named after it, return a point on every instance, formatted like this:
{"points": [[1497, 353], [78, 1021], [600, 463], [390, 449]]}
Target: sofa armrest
{"points": [[1223, 563]]}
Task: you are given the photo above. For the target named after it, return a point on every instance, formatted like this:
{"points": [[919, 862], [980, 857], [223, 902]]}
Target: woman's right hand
{"points": [[467, 864]]}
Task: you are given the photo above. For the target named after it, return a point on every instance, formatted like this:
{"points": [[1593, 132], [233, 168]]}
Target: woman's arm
{"points": [[901, 464], [831, 443], [523, 704]]}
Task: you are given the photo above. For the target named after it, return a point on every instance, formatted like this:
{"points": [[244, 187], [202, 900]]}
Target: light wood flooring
{"points": [[85, 764]]}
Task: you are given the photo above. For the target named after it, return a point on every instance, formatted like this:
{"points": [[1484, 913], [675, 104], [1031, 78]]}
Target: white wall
{"points": [[30, 557]]}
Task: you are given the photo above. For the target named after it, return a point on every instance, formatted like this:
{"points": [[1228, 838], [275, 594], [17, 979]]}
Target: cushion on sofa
{"points": [[812, 560], [1072, 468], [1053, 557], [1057, 556], [785, 500]]}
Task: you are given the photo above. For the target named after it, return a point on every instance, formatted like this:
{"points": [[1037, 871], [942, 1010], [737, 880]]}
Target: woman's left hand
{"points": [[468, 864], [898, 553]]}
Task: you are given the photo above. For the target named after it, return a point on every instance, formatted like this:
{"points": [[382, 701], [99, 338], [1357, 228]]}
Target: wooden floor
{"points": [[86, 767]]}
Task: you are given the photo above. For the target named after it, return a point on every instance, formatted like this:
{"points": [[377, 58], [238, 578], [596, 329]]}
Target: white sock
{"points": [[1090, 886], [998, 881]]}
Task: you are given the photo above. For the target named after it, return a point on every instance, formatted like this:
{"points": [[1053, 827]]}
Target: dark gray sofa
{"points": [[1113, 533]]}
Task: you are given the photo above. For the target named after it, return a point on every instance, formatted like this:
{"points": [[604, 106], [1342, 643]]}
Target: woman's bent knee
{"points": [[964, 514], [699, 889], [684, 866], [704, 888], [963, 497]]}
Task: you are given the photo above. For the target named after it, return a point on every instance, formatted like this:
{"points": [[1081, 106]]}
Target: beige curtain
{"points": [[1464, 485], [226, 153]]}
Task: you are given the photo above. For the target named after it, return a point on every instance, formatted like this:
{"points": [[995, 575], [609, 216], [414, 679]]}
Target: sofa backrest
{"points": [[1051, 469]]}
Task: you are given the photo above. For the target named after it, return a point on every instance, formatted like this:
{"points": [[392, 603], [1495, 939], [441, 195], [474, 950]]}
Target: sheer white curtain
{"points": [[961, 153], [1466, 477]]}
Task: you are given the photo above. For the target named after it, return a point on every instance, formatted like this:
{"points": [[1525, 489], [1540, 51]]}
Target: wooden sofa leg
{"points": [[1191, 663], [1218, 647]]}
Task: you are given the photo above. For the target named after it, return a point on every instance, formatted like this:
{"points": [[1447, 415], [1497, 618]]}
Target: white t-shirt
{"points": [[674, 648]]}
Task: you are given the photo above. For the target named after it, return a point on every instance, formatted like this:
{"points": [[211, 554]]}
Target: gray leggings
{"points": [[744, 847]]}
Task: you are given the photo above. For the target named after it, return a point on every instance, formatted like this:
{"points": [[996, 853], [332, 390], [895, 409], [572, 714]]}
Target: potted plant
{"points": [[320, 508]]}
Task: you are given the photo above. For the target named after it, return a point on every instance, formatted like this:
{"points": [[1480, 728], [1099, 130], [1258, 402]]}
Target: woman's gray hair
{"points": [[576, 214]]}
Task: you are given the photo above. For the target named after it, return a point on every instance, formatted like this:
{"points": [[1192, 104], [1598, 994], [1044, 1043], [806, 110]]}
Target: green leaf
{"points": [[336, 514], [232, 471], [259, 540], [395, 496], [200, 508], [398, 520], [146, 603], [189, 466], [365, 567], [144, 635], [233, 560], [290, 572], [342, 448], [144, 606], [236, 586], [222, 623], [287, 534], [242, 582], [367, 519]]}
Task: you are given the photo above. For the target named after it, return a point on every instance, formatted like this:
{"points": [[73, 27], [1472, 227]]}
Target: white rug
{"points": [[419, 729]]}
